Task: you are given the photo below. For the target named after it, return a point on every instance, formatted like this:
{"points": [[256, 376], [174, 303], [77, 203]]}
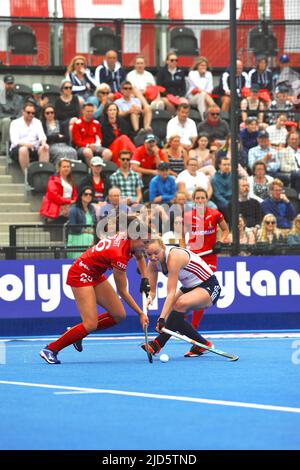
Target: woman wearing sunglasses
{"points": [[269, 234], [56, 139], [82, 221], [67, 107], [100, 99], [81, 78], [172, 78]]}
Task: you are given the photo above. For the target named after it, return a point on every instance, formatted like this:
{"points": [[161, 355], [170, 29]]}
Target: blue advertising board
{"points": [[257, 293]]}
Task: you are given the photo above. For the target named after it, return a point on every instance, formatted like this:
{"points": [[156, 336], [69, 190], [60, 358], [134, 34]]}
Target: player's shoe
{"points": [[49, 356], [78, 345], [153, 347], [196, 351]]}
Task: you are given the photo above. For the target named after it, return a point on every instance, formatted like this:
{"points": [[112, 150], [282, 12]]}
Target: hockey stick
{"points": [[150, 358], [232, 357]]}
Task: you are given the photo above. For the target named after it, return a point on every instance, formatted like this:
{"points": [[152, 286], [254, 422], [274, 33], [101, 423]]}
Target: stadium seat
{"points": [[38, 174], [110, 168], [79, 171], [184, 42], [21, 40], [160, 119], [52, 91], [195, 115], [101, 40], [23, 90]]}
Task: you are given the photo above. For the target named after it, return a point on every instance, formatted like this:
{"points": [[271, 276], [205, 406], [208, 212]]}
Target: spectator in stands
{"points": [[146, 159], [67, 107], [162, 188], [262, 76], [278, 132], [280, 104], [225, 151], [111, 72], [114, 206], [279, 205], [81, 223], [38, 98], [192, 178], [213, 126], [131, 108], [200, 81], [83, 84], [249, 135], [139, 77], [183, 126], [249, 207], [268, 233], [205, 154], [10, 109], [60, 194], [172, 78], [222, 186], [128, 181], [252, 106], [241, 80], [100, 100], [116, 132], [246, 235], [287, 76], [264, 152], [28, 139], [259, 182], [87, 136], [56, 140], [294, 235], [99, 181], [175, 154], [290, 161]]}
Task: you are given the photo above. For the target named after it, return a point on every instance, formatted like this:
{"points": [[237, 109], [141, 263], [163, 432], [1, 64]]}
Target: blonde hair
{"points": [[262, 234], [71, 66], [198, 62], [294, 229], [170, 139], [102, 87]]}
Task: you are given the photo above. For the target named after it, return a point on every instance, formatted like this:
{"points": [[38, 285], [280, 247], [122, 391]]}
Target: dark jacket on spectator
{"points": [[248, 139], [113, 79], [250, 210], [65, 111], [174, 84], [263, 80], [88, 181], [108, 135], [220, 131], [77, 218], [222, 186], [11, 106], [283, 211]]}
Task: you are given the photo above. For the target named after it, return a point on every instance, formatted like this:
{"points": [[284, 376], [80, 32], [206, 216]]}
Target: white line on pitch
{"points": [[206, 401]]}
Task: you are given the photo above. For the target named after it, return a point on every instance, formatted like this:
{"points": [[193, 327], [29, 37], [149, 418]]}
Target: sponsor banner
{"points": [[37, 288]]}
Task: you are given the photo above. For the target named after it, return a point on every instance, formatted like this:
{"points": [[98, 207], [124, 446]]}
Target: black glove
{"points": [[218, 247], [145, 286], [161, 323]]}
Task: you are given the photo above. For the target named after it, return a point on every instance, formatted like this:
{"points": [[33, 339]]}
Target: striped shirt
{"points": [[195, 272]]}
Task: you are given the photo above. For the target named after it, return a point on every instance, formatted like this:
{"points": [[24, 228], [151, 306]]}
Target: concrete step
{"points": [[12, 198], [3, 160], [5, 179], [9, 188], [14, 207], [19, 217], [2, 170]]}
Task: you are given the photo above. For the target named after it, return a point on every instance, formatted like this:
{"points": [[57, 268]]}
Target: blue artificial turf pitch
{"points": [[110, 397]]}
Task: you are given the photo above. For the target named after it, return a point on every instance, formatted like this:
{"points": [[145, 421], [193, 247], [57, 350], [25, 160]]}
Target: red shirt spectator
{"points": [[86, 133], [146, 159]]}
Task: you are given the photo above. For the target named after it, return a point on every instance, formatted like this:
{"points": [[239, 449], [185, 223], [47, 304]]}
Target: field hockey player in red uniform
{"points": [[91, 288], [202, 224]]}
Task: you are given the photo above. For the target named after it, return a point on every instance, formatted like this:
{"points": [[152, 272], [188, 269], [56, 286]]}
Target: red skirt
{"points": [[80, 277]]}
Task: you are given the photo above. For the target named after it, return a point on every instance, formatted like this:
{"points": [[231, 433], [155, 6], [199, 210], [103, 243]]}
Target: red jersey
{"points": [[144, 160], [84, 133], [89, 268], [203, 232]]}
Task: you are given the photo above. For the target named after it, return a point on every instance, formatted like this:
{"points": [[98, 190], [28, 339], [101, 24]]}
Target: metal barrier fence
{"points": [[51, 242]]}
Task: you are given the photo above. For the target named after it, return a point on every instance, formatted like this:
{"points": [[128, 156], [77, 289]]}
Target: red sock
{"points": [[105, 320], [196, 318], [71, 336]]}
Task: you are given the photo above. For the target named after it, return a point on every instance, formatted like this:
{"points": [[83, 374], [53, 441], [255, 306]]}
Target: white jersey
{"points": [[194, 273]]}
